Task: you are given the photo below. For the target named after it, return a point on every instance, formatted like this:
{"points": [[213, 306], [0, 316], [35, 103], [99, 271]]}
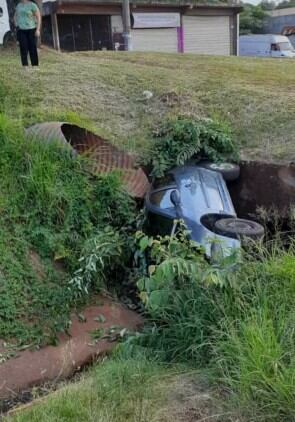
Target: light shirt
{"points": [[25, 15]]}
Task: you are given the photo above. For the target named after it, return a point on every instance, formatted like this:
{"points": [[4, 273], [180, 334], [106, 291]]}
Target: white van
{"points": [[267, 45], [4, 22]]}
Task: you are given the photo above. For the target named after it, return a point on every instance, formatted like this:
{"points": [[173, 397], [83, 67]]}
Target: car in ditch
{"points": [[198, 195]]}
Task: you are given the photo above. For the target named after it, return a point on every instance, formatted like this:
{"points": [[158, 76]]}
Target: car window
{"points": [[285, 46], [164, 181], [162, 199], [201, 191], [281, 46], [275, 47]]}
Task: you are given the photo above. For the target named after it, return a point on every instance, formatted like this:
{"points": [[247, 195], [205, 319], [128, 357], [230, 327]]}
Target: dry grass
{"points": [[104, 89]]}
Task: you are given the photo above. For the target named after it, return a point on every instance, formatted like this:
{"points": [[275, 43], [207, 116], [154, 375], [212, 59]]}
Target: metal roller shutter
{"points": [[156, 39], [206, 35]]}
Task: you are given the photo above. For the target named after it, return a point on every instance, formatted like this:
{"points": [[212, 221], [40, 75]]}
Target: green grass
{"points": [[242, 330], [50, 205], [238, 321], [115, 391], [255, 350], [250, 358], [255, 96], [132, 390]]}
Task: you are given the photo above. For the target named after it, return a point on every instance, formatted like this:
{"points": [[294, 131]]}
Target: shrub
{"points": [[180, 290], [179, 140], [102, 254]]}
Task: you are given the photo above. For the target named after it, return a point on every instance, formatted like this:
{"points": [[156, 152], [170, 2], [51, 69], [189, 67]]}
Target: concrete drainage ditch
{"points": [[29, 368]]}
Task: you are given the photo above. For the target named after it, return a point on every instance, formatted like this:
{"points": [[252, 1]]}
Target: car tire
{"points": [[229, 171], [8, 40], [239, 227]]}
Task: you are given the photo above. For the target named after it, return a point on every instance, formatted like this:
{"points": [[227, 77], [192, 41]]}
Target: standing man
{"points": [[27, 19]]}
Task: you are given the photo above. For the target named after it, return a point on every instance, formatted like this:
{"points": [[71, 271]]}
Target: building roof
{"points": [[163, 3]]}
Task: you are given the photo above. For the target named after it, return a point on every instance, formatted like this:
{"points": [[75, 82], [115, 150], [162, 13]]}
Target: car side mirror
{"points": [[175, 198]]}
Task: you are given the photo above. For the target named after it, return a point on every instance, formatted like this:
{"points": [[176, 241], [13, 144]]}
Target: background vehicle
{"points": [[199, 197], [266, 45], [5, 30]]}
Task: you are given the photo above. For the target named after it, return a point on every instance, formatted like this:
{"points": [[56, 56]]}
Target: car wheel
{"points": [[229, 171], [8, 40], [239, 227]]}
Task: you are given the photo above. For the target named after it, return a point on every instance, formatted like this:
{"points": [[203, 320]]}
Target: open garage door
{"points": [[155, 39], [84, 32], [206, 35]]}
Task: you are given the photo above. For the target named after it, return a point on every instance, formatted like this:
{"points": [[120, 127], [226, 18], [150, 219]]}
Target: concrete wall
{"points": [[277, 23]]}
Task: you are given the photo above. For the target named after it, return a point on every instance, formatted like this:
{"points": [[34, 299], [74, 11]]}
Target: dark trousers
{"points": [[28, 45]]}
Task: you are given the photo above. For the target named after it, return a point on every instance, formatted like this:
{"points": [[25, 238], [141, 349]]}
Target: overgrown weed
{"points": [[182, 139], [50, 205], [239, 323]]}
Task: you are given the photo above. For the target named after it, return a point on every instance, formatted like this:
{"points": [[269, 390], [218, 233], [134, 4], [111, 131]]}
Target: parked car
{"points": [[5, 32], [266, 45], [199, 196]]}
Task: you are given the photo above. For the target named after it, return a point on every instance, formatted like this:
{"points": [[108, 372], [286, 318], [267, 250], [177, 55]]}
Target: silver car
{"points": [[200, 198]]}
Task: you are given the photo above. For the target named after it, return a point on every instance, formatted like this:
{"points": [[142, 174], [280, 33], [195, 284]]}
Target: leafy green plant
{"points": [[179, 289], [237, 317], [101, 255], [179, 140], [170, 264]]}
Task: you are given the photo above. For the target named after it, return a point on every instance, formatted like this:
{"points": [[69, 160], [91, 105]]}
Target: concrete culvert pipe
{"points": [[50, 132], [103, 156]]}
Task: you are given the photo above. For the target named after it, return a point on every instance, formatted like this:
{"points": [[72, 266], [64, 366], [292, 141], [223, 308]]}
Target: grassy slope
{"points": [[105, 90], [49, 206], [129, 391]]}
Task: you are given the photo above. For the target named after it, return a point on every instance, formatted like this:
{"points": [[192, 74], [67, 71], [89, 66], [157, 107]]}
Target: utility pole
{"points": [[126, 25]]}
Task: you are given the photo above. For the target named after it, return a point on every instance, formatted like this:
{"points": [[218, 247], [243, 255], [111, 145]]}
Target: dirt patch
{"points": [[171, 99], [73, 351], [36, 265], [264, 185], [192, 399]]}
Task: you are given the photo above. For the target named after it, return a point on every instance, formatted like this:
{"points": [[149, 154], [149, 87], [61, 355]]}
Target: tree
{"points": [[268, 5], [252, 19], [286, 3]]}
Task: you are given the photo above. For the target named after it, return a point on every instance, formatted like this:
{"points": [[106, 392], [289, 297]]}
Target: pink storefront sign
{"points": [[180, 39]]}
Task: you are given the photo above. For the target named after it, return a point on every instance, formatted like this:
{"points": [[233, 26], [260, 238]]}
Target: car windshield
{"points": [[285, 46]]}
